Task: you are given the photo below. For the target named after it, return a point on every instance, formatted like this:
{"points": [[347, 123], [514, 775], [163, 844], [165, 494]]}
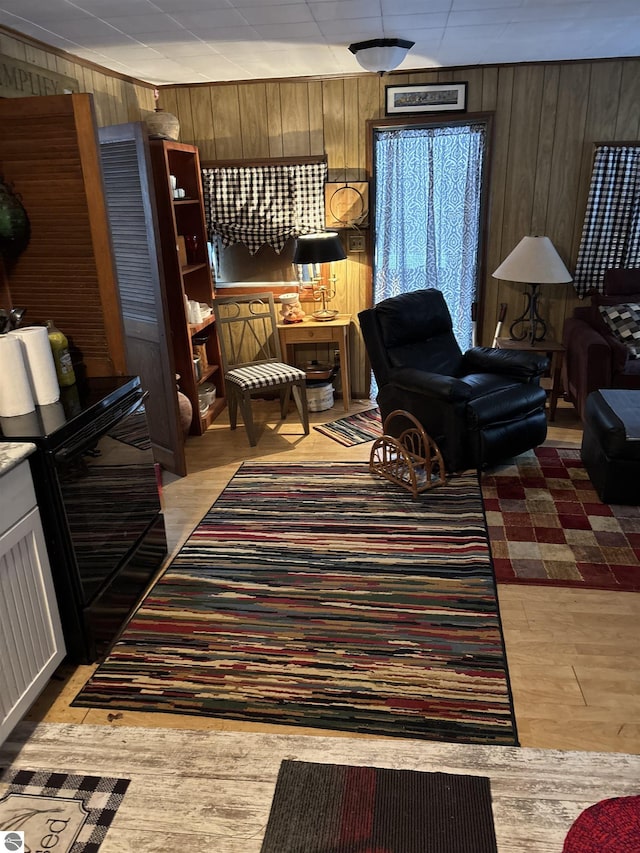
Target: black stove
{"points": [[97, 491], [81, 408]]}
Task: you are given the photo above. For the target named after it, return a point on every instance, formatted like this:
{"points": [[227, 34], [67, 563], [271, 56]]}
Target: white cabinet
{"points": [[31, 640]]}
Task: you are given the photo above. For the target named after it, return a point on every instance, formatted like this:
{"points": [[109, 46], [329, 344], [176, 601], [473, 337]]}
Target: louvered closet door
{"points": [[124, 152]]}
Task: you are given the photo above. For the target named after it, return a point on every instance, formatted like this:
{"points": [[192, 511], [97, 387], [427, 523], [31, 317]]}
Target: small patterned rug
{"points": [[343, 809], [62, 811], [547, 525], [354, 429], [316, 594]]}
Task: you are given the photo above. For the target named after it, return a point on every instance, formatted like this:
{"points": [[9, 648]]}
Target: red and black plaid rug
{"points": [[547, 525]]}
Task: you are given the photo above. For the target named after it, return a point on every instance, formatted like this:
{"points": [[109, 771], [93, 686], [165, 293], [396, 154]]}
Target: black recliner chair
{"points": [[480, 407]]}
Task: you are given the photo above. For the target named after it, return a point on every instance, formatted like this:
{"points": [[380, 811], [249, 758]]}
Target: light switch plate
{"points": [[355, 242]]}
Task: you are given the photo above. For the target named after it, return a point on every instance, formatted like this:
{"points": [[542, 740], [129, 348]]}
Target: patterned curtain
{"points": [[427, 215], [255, 205], [611, 230]]}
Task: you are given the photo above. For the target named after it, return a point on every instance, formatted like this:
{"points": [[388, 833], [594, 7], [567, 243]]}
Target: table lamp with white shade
{"points": [[534, 261]]}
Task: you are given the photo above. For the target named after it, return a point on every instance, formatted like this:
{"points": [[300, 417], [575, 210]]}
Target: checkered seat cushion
{"points": [[263, 375]]}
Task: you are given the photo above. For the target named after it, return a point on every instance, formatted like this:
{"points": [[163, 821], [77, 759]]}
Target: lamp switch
{"points": [[355, 242]]}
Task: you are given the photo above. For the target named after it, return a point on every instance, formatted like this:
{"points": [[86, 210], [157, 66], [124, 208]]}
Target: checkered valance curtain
{"points": [[611, 230], [255, 205]]}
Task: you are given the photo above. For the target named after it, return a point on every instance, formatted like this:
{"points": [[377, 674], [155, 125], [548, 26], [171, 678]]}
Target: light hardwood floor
{"points": [[572, 653], [212, 791]]}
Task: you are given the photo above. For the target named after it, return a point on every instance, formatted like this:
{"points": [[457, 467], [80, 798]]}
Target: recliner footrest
{"points": [[506, 405]]}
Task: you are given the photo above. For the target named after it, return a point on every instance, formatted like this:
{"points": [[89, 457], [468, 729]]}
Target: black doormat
{"points": [[334, 808], [72, 813]]}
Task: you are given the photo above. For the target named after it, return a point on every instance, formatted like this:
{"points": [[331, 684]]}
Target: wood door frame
{"points": [[422, 121]]}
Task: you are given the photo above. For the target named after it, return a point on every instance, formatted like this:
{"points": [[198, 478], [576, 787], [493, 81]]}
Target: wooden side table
{"points": [[311, 331], [555, 350]]}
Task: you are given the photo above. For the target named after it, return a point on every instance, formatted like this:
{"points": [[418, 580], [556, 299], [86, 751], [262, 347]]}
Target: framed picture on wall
{"points": [[426, 98]]}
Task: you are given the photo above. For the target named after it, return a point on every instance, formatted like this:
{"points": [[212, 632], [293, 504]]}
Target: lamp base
{"points": [[533, 326], [325, 314]]}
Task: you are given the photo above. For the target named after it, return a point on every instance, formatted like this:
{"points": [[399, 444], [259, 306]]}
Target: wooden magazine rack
{"points": [[411, 460]]}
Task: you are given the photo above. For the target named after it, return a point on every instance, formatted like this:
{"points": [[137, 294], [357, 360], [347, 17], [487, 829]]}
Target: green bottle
{"points": [[62, 358]]}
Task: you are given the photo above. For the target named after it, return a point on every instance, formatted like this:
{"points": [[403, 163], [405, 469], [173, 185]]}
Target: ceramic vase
{"points": [[185, 409], [162, 125]]}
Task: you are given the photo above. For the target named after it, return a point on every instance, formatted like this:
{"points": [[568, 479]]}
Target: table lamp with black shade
{"points": [[535, 262], [315, 249]]}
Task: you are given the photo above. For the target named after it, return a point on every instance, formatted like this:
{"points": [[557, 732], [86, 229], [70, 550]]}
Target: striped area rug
{"points": [[315, 594], [353, 429]]}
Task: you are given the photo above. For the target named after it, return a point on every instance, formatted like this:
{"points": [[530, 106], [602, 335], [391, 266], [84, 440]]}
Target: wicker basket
{"points": [[412, 460]]}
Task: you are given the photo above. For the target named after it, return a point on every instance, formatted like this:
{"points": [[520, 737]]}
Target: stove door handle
{"points": [[85, 439]]}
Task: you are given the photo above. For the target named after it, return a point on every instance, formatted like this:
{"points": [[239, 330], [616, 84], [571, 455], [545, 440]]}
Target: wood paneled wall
{"points": [[547, 118], [116, 99]]}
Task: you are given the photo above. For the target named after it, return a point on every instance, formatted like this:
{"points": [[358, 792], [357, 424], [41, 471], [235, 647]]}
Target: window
{"points": [[256, 209], [428, 204], [611, 230]]}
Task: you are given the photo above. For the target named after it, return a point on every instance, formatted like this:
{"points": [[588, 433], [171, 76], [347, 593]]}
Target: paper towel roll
{"points": [[52, 416], [41, 368], [15, 391], [21, 426]]}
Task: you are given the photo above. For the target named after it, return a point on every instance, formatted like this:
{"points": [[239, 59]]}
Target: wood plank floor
{"points": [[571, 653], [212, 791]]}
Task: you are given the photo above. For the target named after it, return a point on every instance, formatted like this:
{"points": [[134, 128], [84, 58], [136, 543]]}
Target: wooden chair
{"points": [[252, 359]]}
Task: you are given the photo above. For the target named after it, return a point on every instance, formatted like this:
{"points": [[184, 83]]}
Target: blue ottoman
{"points": [[611, 445]]}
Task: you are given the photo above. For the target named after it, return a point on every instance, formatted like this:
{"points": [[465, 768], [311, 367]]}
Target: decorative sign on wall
{"points": [[346, 205], [21, 80]]}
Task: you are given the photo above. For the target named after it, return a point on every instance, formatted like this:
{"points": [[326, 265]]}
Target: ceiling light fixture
{"points": [[380, 55]]}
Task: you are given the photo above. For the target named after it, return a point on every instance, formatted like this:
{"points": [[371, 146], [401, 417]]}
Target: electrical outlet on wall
{"points": [[355, 243]]}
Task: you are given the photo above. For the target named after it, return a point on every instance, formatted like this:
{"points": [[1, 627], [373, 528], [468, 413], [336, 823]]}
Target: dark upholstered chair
{"points": [[594, 357], [481, 406]]}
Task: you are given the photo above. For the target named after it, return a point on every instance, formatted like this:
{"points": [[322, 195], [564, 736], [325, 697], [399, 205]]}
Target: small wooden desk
{"points": [[552, 348], [311, 331]]}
